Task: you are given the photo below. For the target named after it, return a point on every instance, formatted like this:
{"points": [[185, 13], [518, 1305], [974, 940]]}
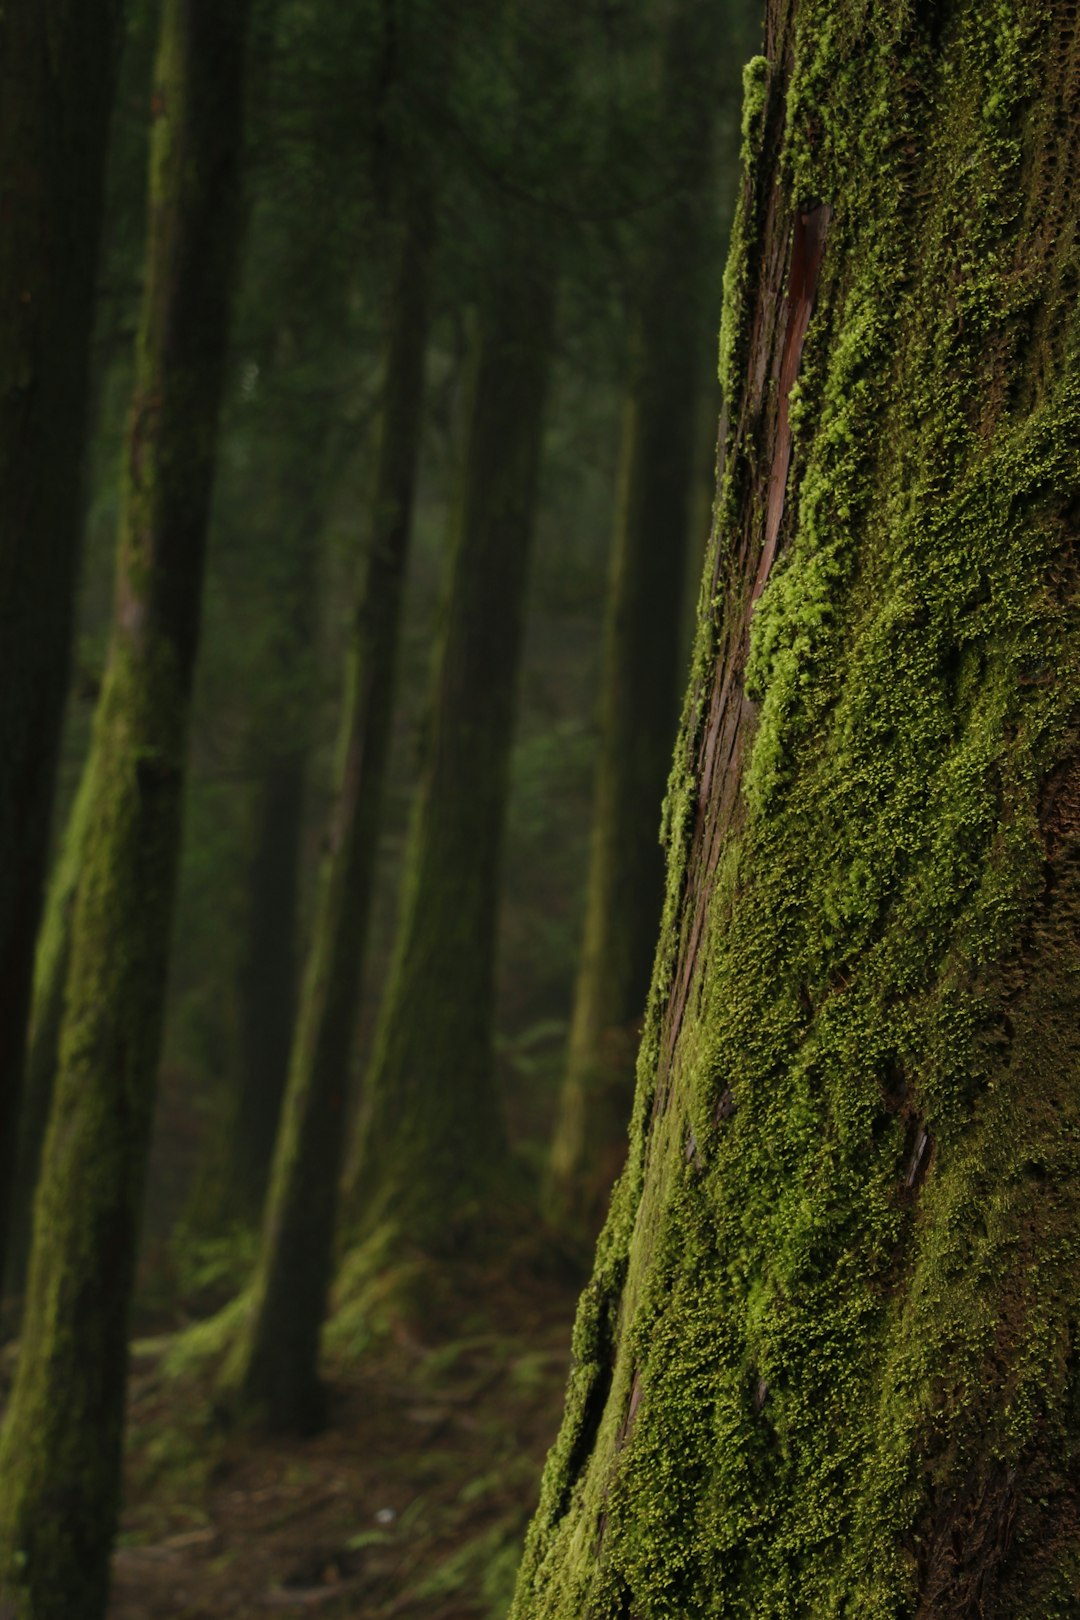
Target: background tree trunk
{"points": [[641, 677], [60, 1446], [432, 1140], [57, 72], [827, 1359], [268, 990], [272, 1374], [269, 987], [119, 270], [46, 1020]]}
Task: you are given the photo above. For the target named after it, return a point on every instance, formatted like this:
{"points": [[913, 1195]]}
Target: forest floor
{"points": [[412, 1502]]}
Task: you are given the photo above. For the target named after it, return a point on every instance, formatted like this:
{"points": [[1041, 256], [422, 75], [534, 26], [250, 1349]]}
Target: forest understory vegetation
{"points": [[411, 1501]]}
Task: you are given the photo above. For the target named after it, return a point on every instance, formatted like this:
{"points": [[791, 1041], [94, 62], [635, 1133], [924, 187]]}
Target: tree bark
{"points": [[268, 986], [826, 1363], [271, 1377], [57, 72], [641, 678], [119, 265], [51, 964], [299, 430], [432, 1143], [60, 1449]]}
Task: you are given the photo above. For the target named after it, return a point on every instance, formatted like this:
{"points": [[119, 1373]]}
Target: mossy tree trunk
{"points": [[60, 1449], [302, 425], [641, 677], [432, 1145], [46, 1019], [827, 1361], [119, 267], [271, 1376], [57, 70]]}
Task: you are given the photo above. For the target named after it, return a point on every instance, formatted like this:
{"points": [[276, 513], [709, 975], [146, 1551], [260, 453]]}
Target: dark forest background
{"points": [[451, 395]]}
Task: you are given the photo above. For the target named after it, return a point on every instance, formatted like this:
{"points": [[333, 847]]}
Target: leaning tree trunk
{"points": [[432, 1143], [51, 963], [641, 674], [827, 1362], [271, 1377], [61, 1442], [57, 69]]}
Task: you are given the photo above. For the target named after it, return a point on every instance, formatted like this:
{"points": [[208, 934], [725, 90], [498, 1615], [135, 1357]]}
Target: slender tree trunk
{"points": [[827, 1362], [46, 1020], [272, 1375], [61, 1442], [432, 1144], [269, 985], [57, 70], [641, 678], [120, 264]]}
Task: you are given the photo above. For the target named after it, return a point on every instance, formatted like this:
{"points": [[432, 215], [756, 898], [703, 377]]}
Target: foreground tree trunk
{"points": [[432, 1145], [272, 1373], [641, 674], [827, 1362], [61, 1442], [57, 71]]}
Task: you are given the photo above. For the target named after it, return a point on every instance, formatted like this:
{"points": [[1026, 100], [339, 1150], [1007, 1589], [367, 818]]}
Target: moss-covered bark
{"points": [[272, 1373], [57, 70], [826, 1364], [61, 1441], [432, 1143], [46, 1018], [641, 678]]}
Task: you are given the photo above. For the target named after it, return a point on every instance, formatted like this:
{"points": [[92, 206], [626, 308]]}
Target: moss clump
{"points": [[825, 1365], [738, 269]]}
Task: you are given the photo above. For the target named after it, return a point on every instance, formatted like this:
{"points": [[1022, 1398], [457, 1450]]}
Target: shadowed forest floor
{"points": [[412, 1502]]}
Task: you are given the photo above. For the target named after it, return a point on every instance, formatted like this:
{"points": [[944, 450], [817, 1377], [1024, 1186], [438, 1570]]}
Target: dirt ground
{"points": [[413, 1501]]}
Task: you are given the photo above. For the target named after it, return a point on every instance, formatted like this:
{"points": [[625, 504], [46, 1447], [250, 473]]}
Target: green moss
{"points": [[47, 1007], [755, 87], [825, 1363], [738, 269]]}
